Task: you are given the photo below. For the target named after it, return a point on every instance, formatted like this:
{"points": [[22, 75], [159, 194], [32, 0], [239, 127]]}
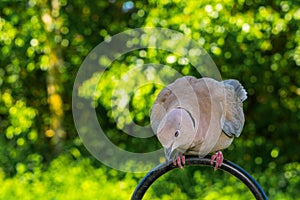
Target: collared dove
{"points": [[197, 117]]}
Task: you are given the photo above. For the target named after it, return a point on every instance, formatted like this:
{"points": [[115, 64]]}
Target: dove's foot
{"points": [[179, 160], [218, 157]]}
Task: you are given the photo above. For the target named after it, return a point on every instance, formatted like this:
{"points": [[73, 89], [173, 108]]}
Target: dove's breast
{"points": [[223, 142]]}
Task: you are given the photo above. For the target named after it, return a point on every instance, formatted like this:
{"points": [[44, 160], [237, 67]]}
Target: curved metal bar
{"points": [[227, 166]]}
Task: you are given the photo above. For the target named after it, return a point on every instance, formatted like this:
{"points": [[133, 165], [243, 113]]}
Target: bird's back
{"points": [[211, 104]]}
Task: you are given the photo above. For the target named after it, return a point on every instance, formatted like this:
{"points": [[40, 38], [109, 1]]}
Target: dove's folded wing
{"points": [[234, 115]]}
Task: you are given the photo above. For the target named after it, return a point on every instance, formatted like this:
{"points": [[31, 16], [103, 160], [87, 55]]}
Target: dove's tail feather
{"points": [[238, 88]]}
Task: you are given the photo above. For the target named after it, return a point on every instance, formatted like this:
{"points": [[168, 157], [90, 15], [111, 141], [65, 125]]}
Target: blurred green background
{"points": [[44, 42]]}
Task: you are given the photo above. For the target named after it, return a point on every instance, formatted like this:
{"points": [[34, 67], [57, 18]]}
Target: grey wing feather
{"points": [[234, 126], [234, 115], [238, 88]]}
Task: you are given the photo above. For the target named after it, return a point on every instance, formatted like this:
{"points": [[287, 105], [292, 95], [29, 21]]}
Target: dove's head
{"points": [[176, 131]]}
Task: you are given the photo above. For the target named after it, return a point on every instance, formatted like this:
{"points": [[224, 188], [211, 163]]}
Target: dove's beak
{"points": [[168, 152]]}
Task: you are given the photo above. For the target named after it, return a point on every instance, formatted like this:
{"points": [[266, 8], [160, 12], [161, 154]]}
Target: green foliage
{"points": [[67, 179], [43, 43]]}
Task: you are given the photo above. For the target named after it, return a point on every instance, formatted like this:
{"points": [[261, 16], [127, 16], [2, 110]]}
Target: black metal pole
{"points": [[227, 166]]}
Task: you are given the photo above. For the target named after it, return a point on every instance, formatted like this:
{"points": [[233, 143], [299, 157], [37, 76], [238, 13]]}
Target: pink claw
{"points": [[179, 161], [183, 159], [218, 157]]}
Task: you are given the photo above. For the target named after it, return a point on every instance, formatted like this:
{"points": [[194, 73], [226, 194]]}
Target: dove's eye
{"points": [[176, 133]]}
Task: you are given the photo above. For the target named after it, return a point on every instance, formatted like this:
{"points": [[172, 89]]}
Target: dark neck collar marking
{"points": [[193, 120]]}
